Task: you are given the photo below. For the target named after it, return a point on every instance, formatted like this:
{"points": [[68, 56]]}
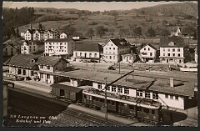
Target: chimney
{"points": [[171, 82]]}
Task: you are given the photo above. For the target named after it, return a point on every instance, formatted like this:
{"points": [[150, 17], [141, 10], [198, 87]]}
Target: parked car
{"points": [[111, 68]]}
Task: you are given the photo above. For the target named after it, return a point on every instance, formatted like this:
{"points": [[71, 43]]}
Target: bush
{"points": [[93, 23]]}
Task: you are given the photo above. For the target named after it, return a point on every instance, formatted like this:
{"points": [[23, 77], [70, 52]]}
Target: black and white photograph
{"points": [[87, 64]]}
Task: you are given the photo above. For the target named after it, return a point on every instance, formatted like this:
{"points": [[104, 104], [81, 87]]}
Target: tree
{"points": [[40, 26], [151, 32], [100, 30], [164, 32], [138, 31], [115, 14], [90, 33], [69, 30]]}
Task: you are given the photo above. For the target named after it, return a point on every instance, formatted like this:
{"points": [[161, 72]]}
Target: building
{"points": [[51, 34], [63, 36], [29, 47], [89, 51], [129, 58], [28, 35], [32, 66], [196, 55], [177, 32], [172, 50], [10, 50], [22, 65], [38, 35], [114, 48], [48, 65], [59, 47], [148, 53]]}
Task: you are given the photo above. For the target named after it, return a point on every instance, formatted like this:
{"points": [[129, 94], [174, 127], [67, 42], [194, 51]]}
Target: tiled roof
{"points": [[59, 40], [49, 60], [22, 60], [118, 42], [87, 47], [179, 41]]}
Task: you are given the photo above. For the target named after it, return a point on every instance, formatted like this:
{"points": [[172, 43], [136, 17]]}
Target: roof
{"points": [[59, 40], [22, 60], [35, 42], [66, 87], [178, 41], [9, 44], [139, 83], [31, 30], [119, 42], [155, 47], [49, 60], [87, 47]]}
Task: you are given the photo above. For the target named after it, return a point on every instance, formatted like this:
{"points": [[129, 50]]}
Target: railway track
{"points": [[92, 118]]}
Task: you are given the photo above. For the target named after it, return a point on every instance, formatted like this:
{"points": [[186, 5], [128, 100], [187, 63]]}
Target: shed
{"points": [[66, 91]]}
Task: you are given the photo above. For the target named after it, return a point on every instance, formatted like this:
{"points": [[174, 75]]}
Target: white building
{"points": [[38, 35], [114, 48], [59, 47], [28, 35], [172, 50], [29, 47], [196, 55], [148, 53], [129, 58], [87, 51], [63, 36]]}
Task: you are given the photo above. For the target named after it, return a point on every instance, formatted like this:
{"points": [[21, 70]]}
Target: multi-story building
{"points": [[172, 50], [28, 35], [38, 35], [114, 48], [89, 51], [51, 34], [59, 47], [148, 53], [29, 47], [10, 50]]}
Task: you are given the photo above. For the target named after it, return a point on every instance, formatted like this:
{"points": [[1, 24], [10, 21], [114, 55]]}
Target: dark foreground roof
{"points": [[49, 60], [87, 47], [66, 87], [22, 60]]}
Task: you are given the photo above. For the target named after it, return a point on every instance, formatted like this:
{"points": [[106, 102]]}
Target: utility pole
{"points": [[106, 108], [119, 67]]}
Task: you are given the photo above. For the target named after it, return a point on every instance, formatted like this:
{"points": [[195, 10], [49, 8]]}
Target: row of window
{"points": [[147, 48], [56, 47], [173, 50], [111, 48], [110, 57], [171, 97], [48, 76], [147, 94], [169, 54], [42, 67], [56, 43], [55, 50], [114, 89]]}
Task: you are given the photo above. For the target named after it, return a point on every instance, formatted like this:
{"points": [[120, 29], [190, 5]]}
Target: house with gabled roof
{"points": [[114, 48], [29, 47], [10, 50], [148, 53], [172, 50], [88, 51], [38, 35]]}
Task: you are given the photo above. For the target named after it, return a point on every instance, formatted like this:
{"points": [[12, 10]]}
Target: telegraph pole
{"points": [[119, 67], [106, 108]]}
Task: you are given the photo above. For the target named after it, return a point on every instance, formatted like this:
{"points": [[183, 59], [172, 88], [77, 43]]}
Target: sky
{"points": [[92, 6]]}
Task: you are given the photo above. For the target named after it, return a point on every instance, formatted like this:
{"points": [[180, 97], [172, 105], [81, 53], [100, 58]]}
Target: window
{"points": [[153, 111], [131, 107], [144, 48], [48, 76], [163, 54], [150, 54], [113, 48], [178, 50], [6, 49], [113, 89], [173, 54], [48, 67], [148, 48], [110, 57], [169, 50], [110, 48], [41, 66], [113, 57], [173, 50], [99, 86], [147, 94], [166, 96], [95, 54], [168, 54], [155, 95], [139, 93], [176, 97], [171, 97], [163, 49], [179, 55], [32, 73], [33, 48], [108, 88], [119, 89], [126, 91]]}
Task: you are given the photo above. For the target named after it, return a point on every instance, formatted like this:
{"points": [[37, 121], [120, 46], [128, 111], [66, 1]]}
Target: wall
{"points": [[61, 65], [75, 83], [44, 79], [147, 49], [28, 35], [45, 68]]}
